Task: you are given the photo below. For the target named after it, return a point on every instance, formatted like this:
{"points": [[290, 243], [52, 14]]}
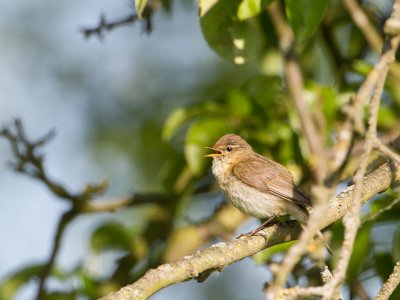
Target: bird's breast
{"points": [[252, 201]]}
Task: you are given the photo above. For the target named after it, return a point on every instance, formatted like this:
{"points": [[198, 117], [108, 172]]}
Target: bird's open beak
{"points": [[216, 154]]}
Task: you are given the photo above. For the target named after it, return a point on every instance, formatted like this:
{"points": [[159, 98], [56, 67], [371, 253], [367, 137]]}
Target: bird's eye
{"points": [[229, 149]]}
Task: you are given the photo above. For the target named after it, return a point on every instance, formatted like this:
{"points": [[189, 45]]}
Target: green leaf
{"points": [[387, 117], [16, 281], [182, 115], [305, 16], [202, 133], [109, 236], [232, 39], [238, 103], [360, 253], [139, 6], [265, 255], [174, 121], [250, 8], [383, 265], [61, 296], [205, 6]]}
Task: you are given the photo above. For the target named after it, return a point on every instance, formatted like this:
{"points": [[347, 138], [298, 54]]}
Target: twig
{"points": [[372, 36], [106, 26], [300, 292], [386, 150], [376, 214], [111, 205], [30, 162], [223, 254], [66, 218], [294, 80], [362, 22], [351, 220], [295, 85], [390, 285]]}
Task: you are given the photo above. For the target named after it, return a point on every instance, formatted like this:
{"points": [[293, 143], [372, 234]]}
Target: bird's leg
{"points": [[259, 228]]}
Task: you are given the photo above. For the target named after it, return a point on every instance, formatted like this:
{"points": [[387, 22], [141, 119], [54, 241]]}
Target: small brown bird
{"points": [[256, 185]]}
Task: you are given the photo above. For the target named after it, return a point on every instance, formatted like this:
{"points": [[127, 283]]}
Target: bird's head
{"points": [[230, 149]]}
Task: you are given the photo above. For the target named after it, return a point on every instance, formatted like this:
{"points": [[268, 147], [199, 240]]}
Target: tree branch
{"points": [[106, 26], [351, 220], [220, 255], [295, 85], [66, 218], [362, 22], [390, 285]]}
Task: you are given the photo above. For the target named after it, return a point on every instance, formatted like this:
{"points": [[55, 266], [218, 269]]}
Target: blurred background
{"points": [[107, 101], [137, 109]]}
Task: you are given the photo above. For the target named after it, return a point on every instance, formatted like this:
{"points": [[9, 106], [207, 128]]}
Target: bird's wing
{"points": [[270, 177]]}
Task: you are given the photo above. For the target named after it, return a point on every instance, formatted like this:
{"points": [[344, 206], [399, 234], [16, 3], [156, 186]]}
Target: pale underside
{"points": [[252, 201]]}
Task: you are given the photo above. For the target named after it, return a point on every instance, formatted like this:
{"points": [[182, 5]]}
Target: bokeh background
{"points": [[107, 101]]}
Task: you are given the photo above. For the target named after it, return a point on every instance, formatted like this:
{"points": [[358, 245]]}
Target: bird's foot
{"points": [[257, 230]]}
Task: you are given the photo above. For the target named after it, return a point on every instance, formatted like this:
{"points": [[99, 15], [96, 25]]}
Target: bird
{"points": [[257, 185]]}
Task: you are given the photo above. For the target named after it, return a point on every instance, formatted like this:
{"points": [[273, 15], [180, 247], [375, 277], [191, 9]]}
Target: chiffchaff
{"points": [[256, 185]]}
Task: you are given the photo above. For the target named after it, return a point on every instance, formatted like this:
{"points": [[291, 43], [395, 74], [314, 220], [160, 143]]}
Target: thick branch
{"points": [[219, 256], [391, 284]]}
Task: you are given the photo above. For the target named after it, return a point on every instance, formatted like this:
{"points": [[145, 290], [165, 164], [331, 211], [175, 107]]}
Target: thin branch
{"points": [[385, 150], [295, 85], [391, 284], [66, 218], [294, 80], [363, 23], [300, 292], [29, 161], [370, 33], [105, 26], [351, 220], [110, 205], [219, 256], [376, 214]]}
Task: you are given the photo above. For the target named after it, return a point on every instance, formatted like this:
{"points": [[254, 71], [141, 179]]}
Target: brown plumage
{"points": [[256, 185]]}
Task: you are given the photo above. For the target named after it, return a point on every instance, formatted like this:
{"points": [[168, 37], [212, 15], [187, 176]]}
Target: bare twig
{"points": [[295, 85], [362, 22], [300, 292], [385, 150], [106, 26], [111, 205], [219, 256], [66, 218], [30, 162], [351, 220], [294, 81], [370, 33], [391, 284], [376, 214]]}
